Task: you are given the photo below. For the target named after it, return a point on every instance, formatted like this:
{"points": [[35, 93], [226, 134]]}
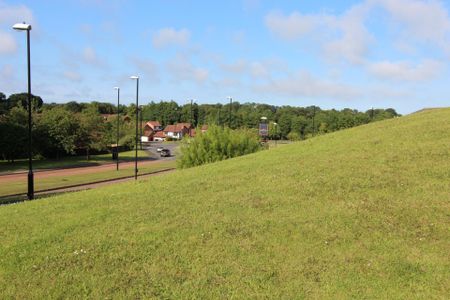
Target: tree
{"points": [[92, 133], [21, 99], [62, 128], [3, 104], [13, 135]]}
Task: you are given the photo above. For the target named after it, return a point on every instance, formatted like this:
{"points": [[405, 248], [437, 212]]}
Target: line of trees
{"points": [[58, 129], [293, 122], [75, 128]]}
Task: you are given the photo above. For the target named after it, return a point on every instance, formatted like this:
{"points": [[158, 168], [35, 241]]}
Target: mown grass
{"points": [[71, 161], [20, 186], [361, 213]]}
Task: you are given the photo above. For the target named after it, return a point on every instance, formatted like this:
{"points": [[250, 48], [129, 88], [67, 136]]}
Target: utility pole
{"points": [[118, 126], [30, 194], [140, 140], [314, 115], [229, 117]]}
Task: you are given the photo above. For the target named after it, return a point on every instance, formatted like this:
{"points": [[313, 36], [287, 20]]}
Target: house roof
{"points": [[187, 125], [177, 127], [153, 123], [159, 134]]}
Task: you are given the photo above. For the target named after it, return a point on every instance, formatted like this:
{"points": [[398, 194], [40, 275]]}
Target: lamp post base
{"points": [[30, 193]]}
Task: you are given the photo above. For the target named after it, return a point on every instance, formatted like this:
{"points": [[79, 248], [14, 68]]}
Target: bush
{"points": [[294, 136], [217, 144], [128, 142]]}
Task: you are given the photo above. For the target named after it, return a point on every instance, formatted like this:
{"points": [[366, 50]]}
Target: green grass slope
{"points": [[361, 213]]}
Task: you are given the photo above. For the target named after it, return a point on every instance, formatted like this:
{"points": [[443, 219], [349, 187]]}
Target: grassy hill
{"points": [[360, 213]]}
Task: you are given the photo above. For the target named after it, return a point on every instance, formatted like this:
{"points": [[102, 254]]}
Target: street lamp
{"points": [[229, 118], [118, 125], [313, 125], [276, 132], [27, 27], [192, 117], [137, 121], [140, 127]]}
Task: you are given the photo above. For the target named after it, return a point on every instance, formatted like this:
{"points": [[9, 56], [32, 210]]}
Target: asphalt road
{"points": [[152, 146]]}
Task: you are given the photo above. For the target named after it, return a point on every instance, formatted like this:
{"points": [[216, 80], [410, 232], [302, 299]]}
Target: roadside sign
{"points": [[263, 129]]}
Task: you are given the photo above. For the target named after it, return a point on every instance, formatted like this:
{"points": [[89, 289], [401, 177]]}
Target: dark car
{"points": [[165, 153]]}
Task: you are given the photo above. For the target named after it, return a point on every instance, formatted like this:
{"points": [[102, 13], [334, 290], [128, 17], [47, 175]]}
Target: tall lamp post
{"points": [[118, 125], [191, 117], [140, 127], [276, 132], [27, 27], [313, 125], [229, 117], [137, 121]]}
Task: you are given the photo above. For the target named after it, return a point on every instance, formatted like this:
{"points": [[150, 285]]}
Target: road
{"points": [[152, 146]]}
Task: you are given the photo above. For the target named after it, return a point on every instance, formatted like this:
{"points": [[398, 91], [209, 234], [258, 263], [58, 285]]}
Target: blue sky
{"points": [[335, 54]]}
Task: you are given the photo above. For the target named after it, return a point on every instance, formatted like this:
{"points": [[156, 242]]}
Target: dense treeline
{"points": [[58, 129], [75, 128], [293, 122]]}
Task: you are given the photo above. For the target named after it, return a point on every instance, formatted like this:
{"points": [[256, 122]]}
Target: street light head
{"points": [[134, 77], [117, 88], [22, 26], [229, 97]]}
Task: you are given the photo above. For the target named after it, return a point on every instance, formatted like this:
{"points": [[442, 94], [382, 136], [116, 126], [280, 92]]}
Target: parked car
{"points": [[159, 149], [165, 153]]}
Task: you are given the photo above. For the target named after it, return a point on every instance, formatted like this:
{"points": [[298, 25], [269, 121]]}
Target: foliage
{"points": [[89, 130], [294, 136], [217, 144]]}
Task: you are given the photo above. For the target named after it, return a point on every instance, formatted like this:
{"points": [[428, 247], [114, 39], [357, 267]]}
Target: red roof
{"points": [[177, 128], [187, 125], [159, 134], [153, 123]]}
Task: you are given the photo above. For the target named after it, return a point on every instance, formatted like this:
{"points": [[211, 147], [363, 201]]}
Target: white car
{"points": [[159, 149]]}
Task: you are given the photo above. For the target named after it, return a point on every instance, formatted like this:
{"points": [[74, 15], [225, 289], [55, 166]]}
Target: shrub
{"points": [[217, 144]]}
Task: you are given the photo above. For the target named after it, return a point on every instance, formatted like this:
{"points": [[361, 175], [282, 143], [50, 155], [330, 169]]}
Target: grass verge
{"points": [[66, 162], [61, 181], [360, 213]]}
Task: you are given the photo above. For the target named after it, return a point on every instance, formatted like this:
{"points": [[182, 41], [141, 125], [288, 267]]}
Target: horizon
{"points": [[351, 54]]}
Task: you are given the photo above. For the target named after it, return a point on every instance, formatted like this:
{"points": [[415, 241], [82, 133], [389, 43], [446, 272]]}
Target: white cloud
{"points": [[182, 69], [303, 84], [297, 25], [406, 71], [8, 44], [344, 36], [262, 69], [72, 76], [150, 69], [11, 14], [169, 37], [89, 56], [426, 20]]}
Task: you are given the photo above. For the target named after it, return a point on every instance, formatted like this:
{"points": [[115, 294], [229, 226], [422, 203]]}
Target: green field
{"points": [[18, 187], [360, 213], [66, 162]]}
